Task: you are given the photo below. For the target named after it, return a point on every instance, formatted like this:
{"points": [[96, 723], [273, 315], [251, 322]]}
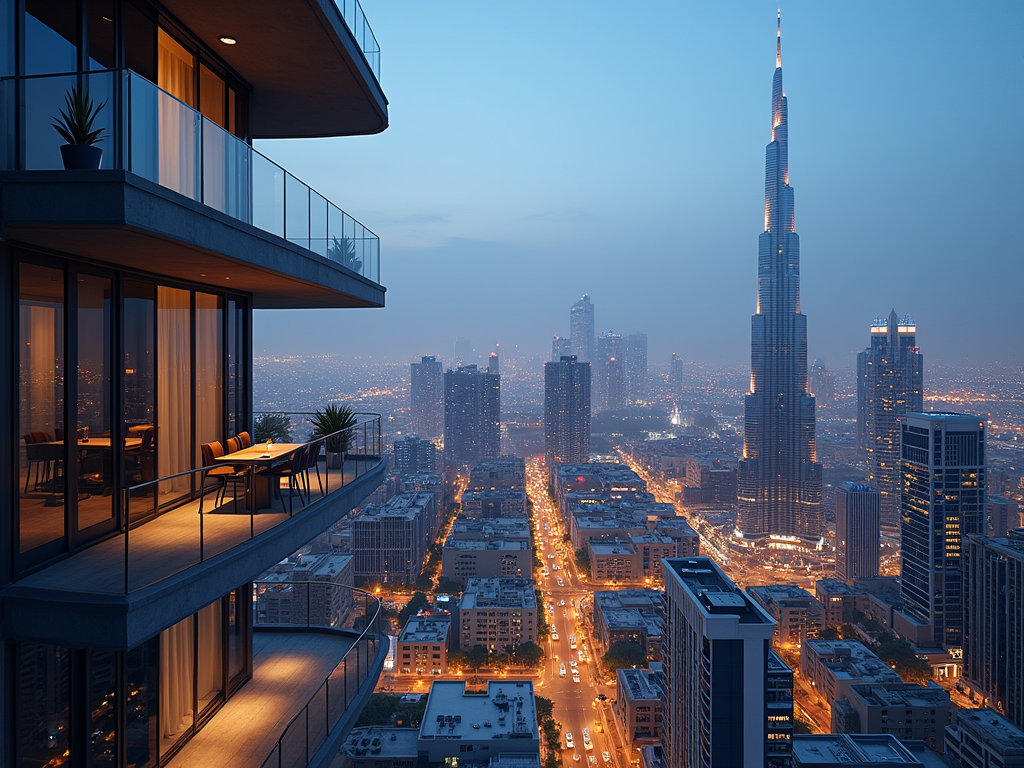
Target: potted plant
{"points": [[74, 125], [334, 419]]}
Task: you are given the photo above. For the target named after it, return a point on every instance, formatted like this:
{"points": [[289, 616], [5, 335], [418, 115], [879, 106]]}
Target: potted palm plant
{"points": [[75, 126], [329, 422]]}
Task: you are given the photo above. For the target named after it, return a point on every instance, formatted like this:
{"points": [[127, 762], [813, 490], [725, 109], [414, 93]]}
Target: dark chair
{"points": [[313, 462], [244, 439], [43, 456], [147, 455], [223, 474], [293, 470]]}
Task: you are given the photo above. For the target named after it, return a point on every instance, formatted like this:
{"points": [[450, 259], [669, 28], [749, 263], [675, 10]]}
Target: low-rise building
{"points": [[497, 613], [494, 502], [638, 706], [710, 479], [460, 726], [798, 615], [422, 648], [483, 559], [903, 710], [616, 481], [427, 483], [634, 560], [389, 543], [853, 751], [282, 598], [502, 472], [834, 666], [379, 747], [478, 529], [982, 738], [839, 601], [633, 616]]}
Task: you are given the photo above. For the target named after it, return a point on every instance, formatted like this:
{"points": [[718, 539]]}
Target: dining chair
{"points": [[245, 439], [293, 470], [224, 473], [313, 462]]}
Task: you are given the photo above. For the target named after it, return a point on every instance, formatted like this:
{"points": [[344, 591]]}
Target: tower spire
{"points": [[778, 42]]}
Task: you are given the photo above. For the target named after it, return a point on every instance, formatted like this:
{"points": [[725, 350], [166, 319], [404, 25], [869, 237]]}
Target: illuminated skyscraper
{"points": [[581, 329], [675, 375], [472, 415], [610, 373], [636, 367], [560, 347], [567, 411], [857, 534], [427, 394], [890, 384], [779, 476]]}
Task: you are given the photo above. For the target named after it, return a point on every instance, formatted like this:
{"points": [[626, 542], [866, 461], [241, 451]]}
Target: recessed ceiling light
{"points": [[108, 18], [227, 40]]}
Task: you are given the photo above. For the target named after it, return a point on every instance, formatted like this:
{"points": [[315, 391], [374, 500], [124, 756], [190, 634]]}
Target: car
{"points": [[561, 583], [568, 740], [556, 567], [576, 756], [602, 697], [606, 756], [572, 642], [561, 673], [592, 759], [554, 636], [551, 557], [561, 602], [575, 675], [586, 735], [573, 664]]}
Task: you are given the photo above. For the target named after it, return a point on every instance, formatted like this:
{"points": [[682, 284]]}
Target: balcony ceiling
{"points": [[308, 74]]}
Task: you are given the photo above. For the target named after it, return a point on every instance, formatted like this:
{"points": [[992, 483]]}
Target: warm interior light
{"points": [[227, 40]]}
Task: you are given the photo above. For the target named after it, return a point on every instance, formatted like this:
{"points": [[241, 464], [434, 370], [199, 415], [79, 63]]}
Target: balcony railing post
{"points": [[127, 520]]}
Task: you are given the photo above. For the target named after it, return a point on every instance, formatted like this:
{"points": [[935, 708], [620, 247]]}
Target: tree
{"points": [[829, 633], [425, 582], [343, 251], [449, 587], [500, 661], [583, 559], [899, 654], [458, 659], [379, 709], [271, 426], [801, 726], [416, 604], [477, 657], [530, 655], [624, 655], [545, 707]]}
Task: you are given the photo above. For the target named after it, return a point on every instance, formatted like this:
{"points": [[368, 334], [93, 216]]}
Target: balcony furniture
{"points": [[313, 462], [258, 457], [293, 470], [222, 474], [244, 439], [39, 450]]}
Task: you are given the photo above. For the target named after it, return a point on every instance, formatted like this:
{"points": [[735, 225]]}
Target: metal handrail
{"points": [[354, 17], [370, 630], [190, 496]]}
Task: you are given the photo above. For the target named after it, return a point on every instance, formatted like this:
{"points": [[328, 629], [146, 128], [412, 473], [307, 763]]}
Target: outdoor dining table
{"points": [[257, 456]]}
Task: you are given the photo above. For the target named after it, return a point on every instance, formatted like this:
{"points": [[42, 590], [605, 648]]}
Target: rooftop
{"points": [[850, 749], [713, 591], [643, 600], [605, 548], [851, 660], [506, 710], [836, 587], [638, 684], [426, 629], [502, 591], [478, 545], [780, 593], [901, 695], [386, 742], [992, 728], [505, 527]]}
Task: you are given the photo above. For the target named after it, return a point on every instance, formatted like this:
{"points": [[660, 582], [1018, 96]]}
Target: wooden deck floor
{"points": [[288, 668], [168, 544]]}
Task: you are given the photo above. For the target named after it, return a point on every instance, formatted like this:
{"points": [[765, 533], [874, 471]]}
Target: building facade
{"points": [[943, 502], [566, 411], [581, 329], [635, 349], [498, 614], [982, 738], [427, 397], [389, 542], [422, 648], [798, 615], [638, 706], [472, 415], [609, 380], [890, 384], [779, 483], [858, 531], [414, 456]]}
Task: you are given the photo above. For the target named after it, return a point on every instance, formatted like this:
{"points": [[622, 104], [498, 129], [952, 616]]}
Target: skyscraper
{"points": [[857, 531], [779, 476], [560, 347], [567, 411], [821, 384], [414, 456], [994, 621], [716, 669], [675, 375], [472, 415], [943, 502], [427, 395], [635, 345], [889, 386], [581, 329], [610, 370]]}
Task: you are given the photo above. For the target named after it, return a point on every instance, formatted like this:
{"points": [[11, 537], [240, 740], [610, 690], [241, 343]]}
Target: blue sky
{"points": [[539, 151]]}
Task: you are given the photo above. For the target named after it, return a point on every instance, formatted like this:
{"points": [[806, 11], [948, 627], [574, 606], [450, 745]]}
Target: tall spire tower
{"points": [[779, 476]]}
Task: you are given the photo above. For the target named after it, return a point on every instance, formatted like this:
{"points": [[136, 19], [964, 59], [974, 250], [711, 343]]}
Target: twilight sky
{"points": [[539, 151]]}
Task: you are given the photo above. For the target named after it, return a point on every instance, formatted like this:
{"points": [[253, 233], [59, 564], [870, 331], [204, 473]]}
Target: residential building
{"points": [[675, 375], [422, 648], [890, 385], [560, 347], [581, 329], [839, 601], [484, 529], [982, 738], [943, 501], [381, 747], [614, 481], [716, 664], [858, 532], [993, 573], [128, 294], [834, 666], [472, 415], [904, 710], [1003, 515], [500, 472], [779, 701], [635, 559], [710, 479], [855, 751], [635, 349], [427, 397], [414, 456], [427, 484], [609, 379], [638, 706], [566, 411], [389, 543], [494, 502], [498, 613], [631, 616], [462, 560], [779, 482], [285, 597], [798, 615]]}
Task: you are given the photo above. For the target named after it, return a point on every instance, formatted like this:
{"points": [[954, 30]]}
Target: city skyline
{"points": [[547, 170]]}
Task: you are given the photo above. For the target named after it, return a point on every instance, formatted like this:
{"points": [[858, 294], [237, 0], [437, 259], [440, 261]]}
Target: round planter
{"points": [[81, 157]]}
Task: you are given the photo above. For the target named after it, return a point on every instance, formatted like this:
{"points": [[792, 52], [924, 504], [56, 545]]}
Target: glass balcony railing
{"points": [[355, 20], [154, 135], [321, 605]]}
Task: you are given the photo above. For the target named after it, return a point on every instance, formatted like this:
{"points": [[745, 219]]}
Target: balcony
{"points": [[174, 556], [312, 674], [178, 195]]}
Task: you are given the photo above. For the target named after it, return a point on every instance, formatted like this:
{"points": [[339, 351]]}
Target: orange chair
{"points": [[224, 473], [244, 439]]}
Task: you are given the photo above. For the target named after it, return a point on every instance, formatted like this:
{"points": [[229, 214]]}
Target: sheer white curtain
{"points": [[178, 124], [177, 665], [174, 386], [211, 652], [209, 401]]}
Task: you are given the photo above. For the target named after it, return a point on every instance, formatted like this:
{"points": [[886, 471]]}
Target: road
{"points": [[576, 704]]}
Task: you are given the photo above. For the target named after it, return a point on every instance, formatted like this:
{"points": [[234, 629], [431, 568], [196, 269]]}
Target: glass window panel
{"points": [[140, 392], [100, 33], [41, 705], [177, 691], [51, 36], [175, 69], [102, 712], [95, 452], [210, 674], [239, 628], [142, 678], [209, 401], [41, 406], [6, 38], [174, 389], [139, 42], [212, 91]]}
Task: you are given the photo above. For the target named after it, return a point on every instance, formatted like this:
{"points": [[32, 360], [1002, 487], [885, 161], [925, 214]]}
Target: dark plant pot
{"points": [[81, 157], [333, 460]]}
